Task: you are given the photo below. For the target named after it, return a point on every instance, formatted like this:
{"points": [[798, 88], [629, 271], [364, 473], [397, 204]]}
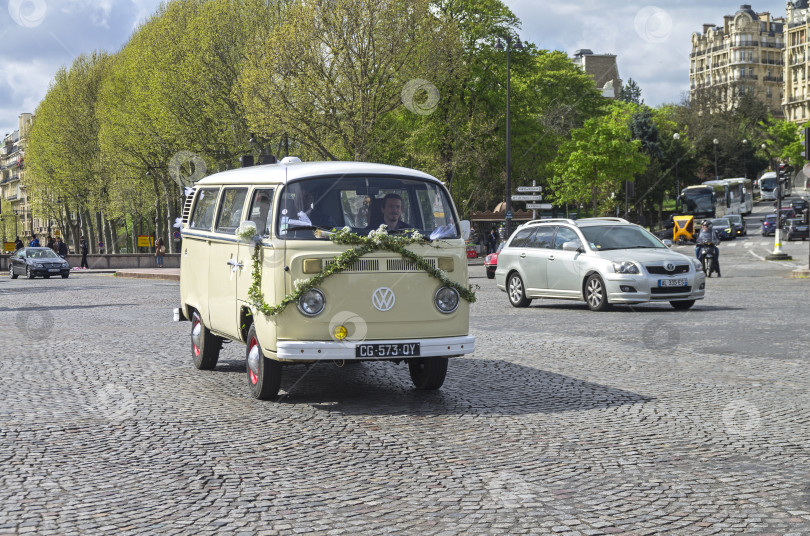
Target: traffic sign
{"points": [[538, 206], [176, 235], [527, 198], [527, 189], [509, 215]]}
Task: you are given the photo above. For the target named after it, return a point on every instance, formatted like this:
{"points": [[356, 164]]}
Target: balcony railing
{"points": [[773, 79]]}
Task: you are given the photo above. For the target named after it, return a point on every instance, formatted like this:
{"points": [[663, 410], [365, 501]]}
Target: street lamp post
{"points": [[499, 46], [676, 137], [745, 166], [716, 175]]}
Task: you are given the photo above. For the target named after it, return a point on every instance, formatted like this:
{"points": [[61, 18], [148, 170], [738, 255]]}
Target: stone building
{"points": [[603, 69], [17, 215], [796, 101], [743, 56]]}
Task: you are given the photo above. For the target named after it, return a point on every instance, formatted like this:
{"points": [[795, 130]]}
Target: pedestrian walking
{"points": [[34, 243], [84, 248], [51, 243], [18, 244], [492, 241], [160, 250], [61, 247]]}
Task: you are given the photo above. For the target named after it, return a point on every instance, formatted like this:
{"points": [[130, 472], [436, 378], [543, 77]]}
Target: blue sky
{"points": [[651, 39]]}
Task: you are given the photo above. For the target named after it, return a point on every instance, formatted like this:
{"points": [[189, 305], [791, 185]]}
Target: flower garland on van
{"points": [[376, 240]]}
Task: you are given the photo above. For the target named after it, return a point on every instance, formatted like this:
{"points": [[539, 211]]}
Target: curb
{"points": [[131, 274], [801, 273]]}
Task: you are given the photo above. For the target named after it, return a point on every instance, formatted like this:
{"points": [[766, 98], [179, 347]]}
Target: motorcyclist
{"points": [[708, 238]]}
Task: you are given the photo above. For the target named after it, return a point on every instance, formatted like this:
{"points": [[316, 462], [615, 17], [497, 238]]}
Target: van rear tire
{"points": [[428, 373], [263, 374], [205, 346]]}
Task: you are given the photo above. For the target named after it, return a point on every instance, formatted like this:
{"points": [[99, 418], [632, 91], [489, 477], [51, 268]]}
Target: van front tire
{"points": [[428, 373], [205, 345], [264, 375]]}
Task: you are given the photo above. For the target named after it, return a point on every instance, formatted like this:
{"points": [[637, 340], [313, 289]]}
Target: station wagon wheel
{"points": [[11, 272], [264, 375], [428, 373], [28, 273], [596, 294], [516, 291], [205, 345]]}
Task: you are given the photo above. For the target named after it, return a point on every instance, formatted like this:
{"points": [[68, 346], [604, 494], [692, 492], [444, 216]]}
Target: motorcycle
{"points": [[707, 258]]}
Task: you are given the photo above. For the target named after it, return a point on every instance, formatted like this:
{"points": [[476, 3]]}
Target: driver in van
{"points": [[392, 213]]}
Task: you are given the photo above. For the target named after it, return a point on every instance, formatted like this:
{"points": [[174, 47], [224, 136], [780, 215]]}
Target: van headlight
{"points": [[446, 299], [625, 267], [312, 302]]}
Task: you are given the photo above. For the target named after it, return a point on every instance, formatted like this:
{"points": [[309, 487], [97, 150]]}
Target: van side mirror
{"points": [[247, 231], [466, 228], [667, 242], [573, 245]]}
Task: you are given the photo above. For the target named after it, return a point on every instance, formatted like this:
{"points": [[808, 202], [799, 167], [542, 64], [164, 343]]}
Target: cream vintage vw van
{"points": [[291, 259]]}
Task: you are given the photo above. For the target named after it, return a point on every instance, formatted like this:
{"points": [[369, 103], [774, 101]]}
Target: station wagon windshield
{"points": [[606, 237], [364, 203]]}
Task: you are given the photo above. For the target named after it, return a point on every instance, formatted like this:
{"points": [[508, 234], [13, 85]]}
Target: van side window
{"points": [[260, 212], [230, 209], [203, 215]]}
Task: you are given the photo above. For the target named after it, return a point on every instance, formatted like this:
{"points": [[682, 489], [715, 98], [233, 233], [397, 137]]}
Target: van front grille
{"points": [[187, 206], [401, 265], [391, 265], [361, 265]]}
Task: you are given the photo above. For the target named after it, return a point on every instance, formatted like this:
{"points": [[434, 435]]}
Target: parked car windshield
{"points": [[721, 223], [606, 237], [363, 203], [734, 218], [44, 253]]}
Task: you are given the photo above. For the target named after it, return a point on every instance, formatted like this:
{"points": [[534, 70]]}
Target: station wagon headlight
{"points": [[625, 267], [446, 299], [697, 264], [312, 302]]}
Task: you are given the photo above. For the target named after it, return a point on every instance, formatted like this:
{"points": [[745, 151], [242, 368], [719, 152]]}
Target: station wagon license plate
{"points": [[403, 349], [672, 282]]}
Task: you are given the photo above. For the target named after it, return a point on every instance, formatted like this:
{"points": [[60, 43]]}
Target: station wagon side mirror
{"points": [[573, 245], [466, 228], [667, 242], [247, 231]]}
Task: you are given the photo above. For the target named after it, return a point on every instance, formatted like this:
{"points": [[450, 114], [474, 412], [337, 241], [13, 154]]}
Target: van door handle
{"points": [[522, 255], [234, 263], [551, 257]]}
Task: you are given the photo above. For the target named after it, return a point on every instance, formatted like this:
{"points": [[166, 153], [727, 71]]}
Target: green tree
{"points": [[592, 166], [631, 93]]}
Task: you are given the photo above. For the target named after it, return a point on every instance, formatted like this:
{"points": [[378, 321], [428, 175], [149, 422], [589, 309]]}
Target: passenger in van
{"points": [[391, 208]]}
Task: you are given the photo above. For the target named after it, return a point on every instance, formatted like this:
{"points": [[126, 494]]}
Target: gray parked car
{"points": [[603, 261]]}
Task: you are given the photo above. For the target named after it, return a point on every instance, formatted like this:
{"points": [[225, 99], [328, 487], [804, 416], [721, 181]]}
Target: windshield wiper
{"points": [[307, 228]]}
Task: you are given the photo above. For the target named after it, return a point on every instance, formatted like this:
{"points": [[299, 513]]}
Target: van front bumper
{"points": [[346, 350]]}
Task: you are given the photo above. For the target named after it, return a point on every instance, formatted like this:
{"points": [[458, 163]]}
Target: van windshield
{"points": [[364, 203]]}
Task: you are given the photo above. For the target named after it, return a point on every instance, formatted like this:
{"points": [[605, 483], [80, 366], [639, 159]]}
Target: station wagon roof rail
{"points": [[551, 220], [605, 218]]}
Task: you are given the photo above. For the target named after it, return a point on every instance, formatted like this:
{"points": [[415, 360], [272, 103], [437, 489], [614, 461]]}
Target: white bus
{"points": [[767, 186], [742, 189]]}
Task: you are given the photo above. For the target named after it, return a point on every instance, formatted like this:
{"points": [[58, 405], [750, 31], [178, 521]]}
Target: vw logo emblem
{"points": [[670, 267], [383, 299]]}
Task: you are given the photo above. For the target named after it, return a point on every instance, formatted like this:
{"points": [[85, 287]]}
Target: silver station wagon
{"points": [[603, 261]]}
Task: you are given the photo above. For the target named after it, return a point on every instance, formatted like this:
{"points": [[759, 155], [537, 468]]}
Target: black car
{"points": [[37, 261], [796, 228], [798, 206], [740, 229], [724, 228]]}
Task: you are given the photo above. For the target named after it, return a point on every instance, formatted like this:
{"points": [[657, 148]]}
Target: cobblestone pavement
{"points": [[643, 420]]}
